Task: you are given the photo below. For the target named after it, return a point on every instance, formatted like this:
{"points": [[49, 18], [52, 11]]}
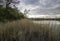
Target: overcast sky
{"points": [[38, 7]]}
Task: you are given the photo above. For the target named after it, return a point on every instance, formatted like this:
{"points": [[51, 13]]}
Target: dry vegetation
{"points": [[25, 30]]}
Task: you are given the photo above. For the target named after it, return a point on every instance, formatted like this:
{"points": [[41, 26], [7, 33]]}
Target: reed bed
{"points": [[25, 30]]}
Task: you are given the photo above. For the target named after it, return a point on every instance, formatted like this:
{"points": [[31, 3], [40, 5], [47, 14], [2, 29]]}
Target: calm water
{"points": [[53, 24]]}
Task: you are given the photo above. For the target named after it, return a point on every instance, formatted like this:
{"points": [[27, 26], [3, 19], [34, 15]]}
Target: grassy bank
{"points": [[25, 30]]}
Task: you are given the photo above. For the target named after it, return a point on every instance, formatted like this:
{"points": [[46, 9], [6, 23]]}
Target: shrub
{"points": [[10, 14]]}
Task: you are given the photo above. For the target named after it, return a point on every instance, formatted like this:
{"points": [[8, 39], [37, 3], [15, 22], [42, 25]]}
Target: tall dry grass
{"points": [[25, 30]]}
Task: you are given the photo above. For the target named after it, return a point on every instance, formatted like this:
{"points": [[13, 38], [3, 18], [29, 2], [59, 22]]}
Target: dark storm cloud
{"points": [[44, 6], [31, 2], [48, 11], [49, 3]]}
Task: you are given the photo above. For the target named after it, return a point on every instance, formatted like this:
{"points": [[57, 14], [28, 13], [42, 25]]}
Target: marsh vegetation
{"points": [[26, 30]]}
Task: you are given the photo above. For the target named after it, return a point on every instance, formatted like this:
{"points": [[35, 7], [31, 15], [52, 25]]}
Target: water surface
{"points": [[51, 23]]}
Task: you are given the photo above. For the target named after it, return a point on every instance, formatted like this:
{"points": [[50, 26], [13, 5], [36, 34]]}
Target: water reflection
{"points": [[51, 23]]}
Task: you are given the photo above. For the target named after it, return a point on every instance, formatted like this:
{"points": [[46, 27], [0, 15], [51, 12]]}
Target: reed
{"points": [[25, 30]]}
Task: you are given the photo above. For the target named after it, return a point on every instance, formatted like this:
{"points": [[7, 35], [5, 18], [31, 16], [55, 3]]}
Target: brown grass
{"points": [[25, 30]]}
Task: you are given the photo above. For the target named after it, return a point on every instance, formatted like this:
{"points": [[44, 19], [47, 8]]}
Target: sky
{"points": [[40, 7]]}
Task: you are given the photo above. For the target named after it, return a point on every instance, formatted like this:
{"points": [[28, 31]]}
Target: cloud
{"points": [[31, 2], [40, 6]]}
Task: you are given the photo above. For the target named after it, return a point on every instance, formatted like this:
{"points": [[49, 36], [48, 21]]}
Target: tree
{"points": [[10, 13], [14, 2], [9, 2], [26, 12]]}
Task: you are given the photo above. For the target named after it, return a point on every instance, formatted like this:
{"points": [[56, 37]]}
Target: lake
{"points": [[51, 23]]}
